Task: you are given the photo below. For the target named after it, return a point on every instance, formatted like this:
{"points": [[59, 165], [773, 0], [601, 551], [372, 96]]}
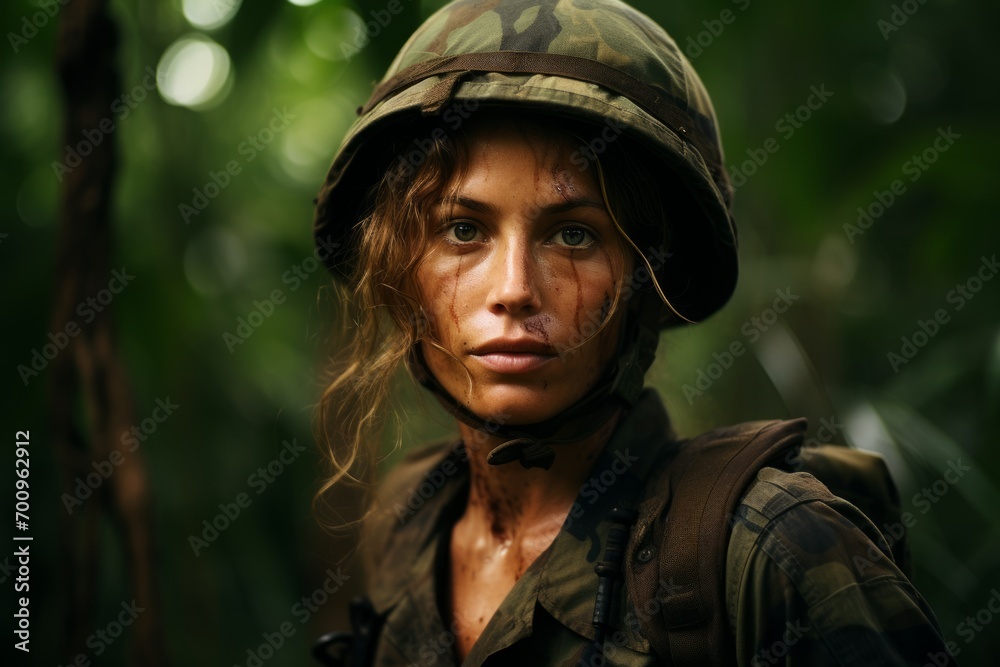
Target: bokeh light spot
{"points": [[214, 261], [194, 72], [881, 92], [37, 197], [210, 14], [308, 145], [337, 35]]}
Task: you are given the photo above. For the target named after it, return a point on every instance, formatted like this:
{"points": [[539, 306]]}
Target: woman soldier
{"points": [[533, 192]]}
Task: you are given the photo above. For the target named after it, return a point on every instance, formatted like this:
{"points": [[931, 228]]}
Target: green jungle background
{"points": [[861, 290]]}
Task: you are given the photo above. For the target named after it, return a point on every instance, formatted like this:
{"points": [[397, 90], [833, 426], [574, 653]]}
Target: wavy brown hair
{"points": [[382, 317]]}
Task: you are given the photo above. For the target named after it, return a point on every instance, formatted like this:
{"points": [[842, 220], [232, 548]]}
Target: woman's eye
{"points": [[463, 232], [574, 237]]}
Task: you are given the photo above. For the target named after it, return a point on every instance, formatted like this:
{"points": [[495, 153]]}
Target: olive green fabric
{"points": [[805, 582], [864, 481], [701, 273]]}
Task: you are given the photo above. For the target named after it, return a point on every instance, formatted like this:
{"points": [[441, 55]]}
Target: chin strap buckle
{"points": [[531, 453]]}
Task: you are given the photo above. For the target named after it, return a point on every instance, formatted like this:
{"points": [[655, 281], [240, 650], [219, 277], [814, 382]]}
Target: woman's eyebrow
{"points": [[549, 209]]}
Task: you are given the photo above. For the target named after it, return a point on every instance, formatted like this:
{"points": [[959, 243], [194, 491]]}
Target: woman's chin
{"points": [[518, 405]]}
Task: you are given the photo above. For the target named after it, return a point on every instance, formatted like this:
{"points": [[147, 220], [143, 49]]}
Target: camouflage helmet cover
{"points": [[596, 61]]}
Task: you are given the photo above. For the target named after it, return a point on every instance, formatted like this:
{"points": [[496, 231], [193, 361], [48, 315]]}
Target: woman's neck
{"points": [[512, 500]]}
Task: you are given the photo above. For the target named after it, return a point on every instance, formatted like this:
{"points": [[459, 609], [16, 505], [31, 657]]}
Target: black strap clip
{"points": [[351, 649]]}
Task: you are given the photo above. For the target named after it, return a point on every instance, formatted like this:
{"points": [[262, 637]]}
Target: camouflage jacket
{"points": [[796, 593]]}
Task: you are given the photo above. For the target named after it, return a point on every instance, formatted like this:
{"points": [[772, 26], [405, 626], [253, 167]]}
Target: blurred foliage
{"points": [[826, 357]]}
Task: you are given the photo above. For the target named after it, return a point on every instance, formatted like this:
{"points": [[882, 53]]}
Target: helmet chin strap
{"points": [[618, 387]]}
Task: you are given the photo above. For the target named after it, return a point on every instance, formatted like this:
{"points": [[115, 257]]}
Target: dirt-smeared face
{"points": [[523, 268]]}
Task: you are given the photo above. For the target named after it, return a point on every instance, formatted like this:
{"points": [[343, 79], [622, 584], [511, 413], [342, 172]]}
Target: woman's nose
{"points": [[514, 279]]}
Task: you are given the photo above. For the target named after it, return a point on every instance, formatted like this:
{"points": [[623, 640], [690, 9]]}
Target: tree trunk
{"points": [[90, 396]]}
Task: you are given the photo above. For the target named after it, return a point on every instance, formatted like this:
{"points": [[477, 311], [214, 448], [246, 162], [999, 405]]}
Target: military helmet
{"points": [[598, 62]]}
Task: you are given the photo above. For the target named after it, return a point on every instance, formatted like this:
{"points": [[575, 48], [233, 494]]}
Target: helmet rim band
{"points": [[695, 128]]}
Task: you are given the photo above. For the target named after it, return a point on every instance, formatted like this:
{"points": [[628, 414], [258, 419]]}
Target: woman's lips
{"points": [[513, 362]]}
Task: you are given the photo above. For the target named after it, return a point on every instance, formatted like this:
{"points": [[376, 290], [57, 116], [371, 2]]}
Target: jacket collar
{"points": [[619, 472], [414, 536], [622, 468]]}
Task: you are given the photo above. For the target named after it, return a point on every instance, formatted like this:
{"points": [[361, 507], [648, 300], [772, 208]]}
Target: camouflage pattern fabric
{"points": [[809, 582], [806, 583]]}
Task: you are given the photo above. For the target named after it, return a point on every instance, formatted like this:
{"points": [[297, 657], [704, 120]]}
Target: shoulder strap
{"points": [[678, 593]]}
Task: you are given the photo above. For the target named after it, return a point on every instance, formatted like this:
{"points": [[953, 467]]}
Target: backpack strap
{"points": [[678, 593]]}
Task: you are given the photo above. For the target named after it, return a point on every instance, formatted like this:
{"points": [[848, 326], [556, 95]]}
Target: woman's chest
{"points": [[480, 576]]}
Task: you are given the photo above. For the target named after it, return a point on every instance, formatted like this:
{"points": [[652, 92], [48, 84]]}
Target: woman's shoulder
{"points": [[822, 505], [809, 573], [405, 502], [417, 465], [799, 522]]}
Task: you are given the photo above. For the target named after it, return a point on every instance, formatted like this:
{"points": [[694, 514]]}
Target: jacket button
{"points": [[645, 554]]}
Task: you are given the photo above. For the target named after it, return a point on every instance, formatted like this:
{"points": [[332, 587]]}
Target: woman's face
{"points": [[523, 268]]}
